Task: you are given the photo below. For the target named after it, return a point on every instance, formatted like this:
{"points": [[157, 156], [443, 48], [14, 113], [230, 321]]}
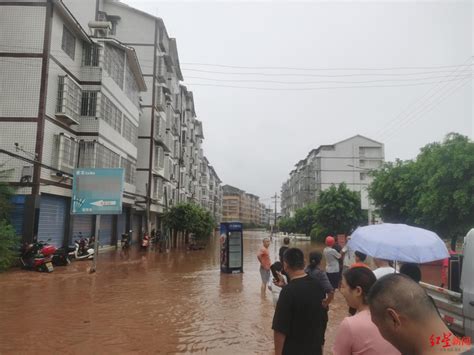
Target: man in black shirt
{"points": [[299, 314]]}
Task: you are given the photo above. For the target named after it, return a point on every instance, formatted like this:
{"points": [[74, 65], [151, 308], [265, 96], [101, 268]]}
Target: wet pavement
{"points": [[175, 302]]}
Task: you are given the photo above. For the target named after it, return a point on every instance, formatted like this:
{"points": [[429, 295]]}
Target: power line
{"points": [[320, 88], [412, 105], [428, 108], [318, 82], [323, 69], [316, 75]]}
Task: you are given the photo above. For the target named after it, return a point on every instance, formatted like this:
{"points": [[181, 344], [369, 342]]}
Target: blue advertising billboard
{"points": [[97, 191]]}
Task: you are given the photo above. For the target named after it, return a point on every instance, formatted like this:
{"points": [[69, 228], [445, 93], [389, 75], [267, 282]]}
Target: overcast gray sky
{"points": [[253, 137]]}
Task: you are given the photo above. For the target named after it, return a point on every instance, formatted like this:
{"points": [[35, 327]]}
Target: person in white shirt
{"points": [[348, 255], [332, 262], [383, 268]]}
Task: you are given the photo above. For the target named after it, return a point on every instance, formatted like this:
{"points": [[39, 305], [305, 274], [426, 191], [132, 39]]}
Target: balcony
{"points": [[68, 107]]}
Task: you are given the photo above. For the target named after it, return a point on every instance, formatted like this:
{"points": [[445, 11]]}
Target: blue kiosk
{"points": [[232, 247]]}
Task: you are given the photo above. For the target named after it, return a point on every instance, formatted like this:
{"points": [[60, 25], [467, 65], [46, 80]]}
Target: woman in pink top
{"points": [[357, 334]]}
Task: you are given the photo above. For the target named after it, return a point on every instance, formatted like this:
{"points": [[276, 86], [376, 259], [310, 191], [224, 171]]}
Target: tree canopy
{"points": [[337, 211], [189, 218], [434, 191]]}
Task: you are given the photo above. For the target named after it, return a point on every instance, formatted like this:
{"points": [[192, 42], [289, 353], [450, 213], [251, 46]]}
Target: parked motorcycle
{"points": [[62, 256], [83, 249], [37, 256]]}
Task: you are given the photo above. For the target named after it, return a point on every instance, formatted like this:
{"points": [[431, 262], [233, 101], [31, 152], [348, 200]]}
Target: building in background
{"points": [[103, 93], [237, 205], [348, 161]]}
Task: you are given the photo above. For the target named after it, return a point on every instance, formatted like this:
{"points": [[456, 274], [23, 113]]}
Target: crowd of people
{"points": [[388, 311]]}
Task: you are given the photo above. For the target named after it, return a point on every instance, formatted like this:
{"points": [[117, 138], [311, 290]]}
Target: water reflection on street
{"points": [[175, 302]]}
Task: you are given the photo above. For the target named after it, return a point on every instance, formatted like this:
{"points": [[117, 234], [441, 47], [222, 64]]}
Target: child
{"points": [[276, 267]]}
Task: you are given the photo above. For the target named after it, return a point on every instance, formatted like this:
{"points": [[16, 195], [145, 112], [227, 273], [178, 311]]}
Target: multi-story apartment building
{"points": [[73, 101], [240, 206], [348, 161], [103, 93]]}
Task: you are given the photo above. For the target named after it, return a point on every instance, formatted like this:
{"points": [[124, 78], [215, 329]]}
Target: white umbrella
{"points": [[399, 242]]}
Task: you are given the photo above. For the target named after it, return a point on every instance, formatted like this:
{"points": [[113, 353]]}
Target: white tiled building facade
{"points": [[348, 161], [75, 95]]}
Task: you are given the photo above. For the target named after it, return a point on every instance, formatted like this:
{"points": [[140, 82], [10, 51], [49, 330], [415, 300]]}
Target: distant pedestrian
{"points": [[338, 248], [283, 248], [359, 259], [408, 319], [125, 244], [314, 271], [332, 262], [358, 334], [263, 257], [348, 256], [299, 313], [383, 268], [412, 270], [145, 241]]}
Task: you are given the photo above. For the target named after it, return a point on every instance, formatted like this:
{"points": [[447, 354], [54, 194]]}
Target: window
{"points": [[363, 176], [86, 154], [129, 170], [111, 114], [67, 151], [114, 61], [89, 103], [90, 55], [129, 130], [68, 44], [131, 87], [158, 157], [69, 97], [106, 158]]}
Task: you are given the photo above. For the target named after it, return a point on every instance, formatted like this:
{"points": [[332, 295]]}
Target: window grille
{"points": [[66, 151], [106, 158], [68, 44], [89, 103], [90, 55], [114, 61], [86, 154], [129, 131], [131, 87], [129, 170], [69, 97], [111, 114]]}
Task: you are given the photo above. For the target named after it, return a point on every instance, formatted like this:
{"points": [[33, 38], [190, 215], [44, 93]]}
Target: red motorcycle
{"points": [[37, 256]]}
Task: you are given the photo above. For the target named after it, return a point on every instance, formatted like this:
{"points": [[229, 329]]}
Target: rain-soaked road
{"points": [[175, 302]]}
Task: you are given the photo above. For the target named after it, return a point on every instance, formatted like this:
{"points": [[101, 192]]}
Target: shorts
{"points": [[334, 278], [265, 274]]}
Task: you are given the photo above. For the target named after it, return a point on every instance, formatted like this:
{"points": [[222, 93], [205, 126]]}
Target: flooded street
{"points": [[175, 302]]}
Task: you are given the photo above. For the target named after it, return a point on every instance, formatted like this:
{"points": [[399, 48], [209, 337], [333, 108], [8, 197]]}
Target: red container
{"points": [[48, 250]]}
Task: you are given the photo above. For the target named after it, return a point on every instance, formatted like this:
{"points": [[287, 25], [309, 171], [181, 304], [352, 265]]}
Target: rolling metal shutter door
{"points": [[83, 224], [105, 230], [52, 219], [17, 213], [121, 223]]}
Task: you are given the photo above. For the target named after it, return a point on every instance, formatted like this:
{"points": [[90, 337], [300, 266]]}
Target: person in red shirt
{"points": [[263, 257]]}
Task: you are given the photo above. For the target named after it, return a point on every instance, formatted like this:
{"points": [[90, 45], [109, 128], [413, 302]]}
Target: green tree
{"points": [[338, 211], [6, 193], [434, 191], [305, 218], [189, 218], [287, 225], [9, 242]]}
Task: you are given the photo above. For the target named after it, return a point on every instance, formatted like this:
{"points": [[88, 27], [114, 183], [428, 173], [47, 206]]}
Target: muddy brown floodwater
{"points": [[175, 302]]}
